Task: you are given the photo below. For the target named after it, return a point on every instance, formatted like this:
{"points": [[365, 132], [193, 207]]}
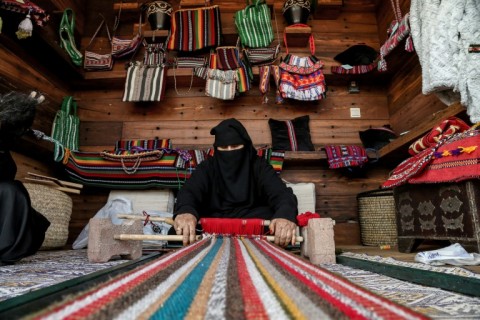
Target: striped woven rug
{"points": [[228, 278]]}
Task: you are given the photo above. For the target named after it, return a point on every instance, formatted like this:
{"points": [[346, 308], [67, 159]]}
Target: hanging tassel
{"points": [[25, 28], [382, 65], [409, 44]]}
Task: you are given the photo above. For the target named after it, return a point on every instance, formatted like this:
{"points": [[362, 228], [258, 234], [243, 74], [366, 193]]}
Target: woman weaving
{"points": [[235, 183]]}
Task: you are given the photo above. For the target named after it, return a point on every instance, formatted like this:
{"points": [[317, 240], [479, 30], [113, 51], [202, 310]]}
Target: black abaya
{"points": [[22, 228]]}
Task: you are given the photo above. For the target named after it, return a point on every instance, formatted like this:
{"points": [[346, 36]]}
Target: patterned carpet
{"points": [[50, 267], [44, 269], [432, 302]]}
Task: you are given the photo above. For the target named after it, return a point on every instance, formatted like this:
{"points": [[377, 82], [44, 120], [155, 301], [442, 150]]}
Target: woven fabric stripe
{"points": [[144, 83], [195, 29], [179, 302], [366, 303], [92, 301], [291, 135], [169, 287], [217, 303], [170, 171], [227, 58], [360, 69], [149, 303], [143, 144], [260, 300], [281, 281], [254, 25]]}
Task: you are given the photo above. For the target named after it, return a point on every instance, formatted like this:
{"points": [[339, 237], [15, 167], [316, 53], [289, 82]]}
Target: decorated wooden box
{"points": [[438, 211]]}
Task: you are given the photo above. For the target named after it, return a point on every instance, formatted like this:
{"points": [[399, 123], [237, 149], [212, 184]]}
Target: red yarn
{"points": [[232, 227], [302, 219]]}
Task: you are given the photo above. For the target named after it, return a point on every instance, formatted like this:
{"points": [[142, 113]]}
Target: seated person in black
{"points": [[22, 229], [235, 183]]}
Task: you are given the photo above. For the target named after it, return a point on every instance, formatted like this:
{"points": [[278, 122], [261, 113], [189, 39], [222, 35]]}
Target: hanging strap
{"points": [[98, 30], [396, 10], [117, 19], [311, 40]]}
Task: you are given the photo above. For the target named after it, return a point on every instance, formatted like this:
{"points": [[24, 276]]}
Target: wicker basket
{"points": [[376, 211], [56, 206]]}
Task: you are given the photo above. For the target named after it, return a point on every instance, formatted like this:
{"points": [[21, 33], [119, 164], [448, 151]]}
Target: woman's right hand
{"points": [[185, 224]]}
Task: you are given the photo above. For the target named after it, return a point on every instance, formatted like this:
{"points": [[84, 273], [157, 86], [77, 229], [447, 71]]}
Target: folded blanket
{"points": [[345, 156]]}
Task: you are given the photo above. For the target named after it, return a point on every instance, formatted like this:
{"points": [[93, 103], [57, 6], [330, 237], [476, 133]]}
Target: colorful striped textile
{"points": [[359, 69], [170, 171], [345, 156], [143, 144], [195, 29], [144, 83], [227, 278], [398, 31]]}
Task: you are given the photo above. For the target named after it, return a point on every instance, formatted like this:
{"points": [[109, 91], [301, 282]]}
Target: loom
{"points": [[106, 240]]}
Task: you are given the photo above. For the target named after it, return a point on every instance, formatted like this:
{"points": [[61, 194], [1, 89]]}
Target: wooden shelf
{"points": [[297, 36], [398, 147]]}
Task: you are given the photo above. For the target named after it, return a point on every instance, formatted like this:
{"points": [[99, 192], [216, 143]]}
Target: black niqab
{"points": [[233, 169]]}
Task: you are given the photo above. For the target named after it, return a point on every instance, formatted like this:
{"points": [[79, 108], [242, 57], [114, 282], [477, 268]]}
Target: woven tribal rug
{"points": [[44, 269], [228, 278], [458, 271], [433, 302]]}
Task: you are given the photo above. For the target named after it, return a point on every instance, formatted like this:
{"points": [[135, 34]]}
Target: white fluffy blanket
{"points": [[442, 31]]}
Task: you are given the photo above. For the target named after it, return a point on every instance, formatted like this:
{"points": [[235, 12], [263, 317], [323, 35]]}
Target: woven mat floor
{"points": [[432, 302], [50, 267], [46, 268]]}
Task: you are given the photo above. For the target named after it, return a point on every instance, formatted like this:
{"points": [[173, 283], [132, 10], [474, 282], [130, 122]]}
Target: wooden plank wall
{"points": [[187, 119]]}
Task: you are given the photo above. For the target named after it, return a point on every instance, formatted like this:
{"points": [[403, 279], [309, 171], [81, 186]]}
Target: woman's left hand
{"points": [[284, 231]]}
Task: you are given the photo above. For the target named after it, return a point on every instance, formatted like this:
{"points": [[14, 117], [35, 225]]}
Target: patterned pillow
{"points": [[291, 135]]}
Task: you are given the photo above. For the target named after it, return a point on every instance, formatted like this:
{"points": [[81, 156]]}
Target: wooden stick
{"points": [[53, 185], [139, 217], [61, 183], [174, 237], [161, 219]]}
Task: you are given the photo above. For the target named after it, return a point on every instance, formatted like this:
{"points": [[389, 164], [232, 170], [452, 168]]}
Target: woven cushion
{"points": [[306, 196], [56, 206], [291, 135], [148, 200]]}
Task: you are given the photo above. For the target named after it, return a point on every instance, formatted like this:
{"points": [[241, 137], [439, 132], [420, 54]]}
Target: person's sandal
{"points": [[67, 40]]}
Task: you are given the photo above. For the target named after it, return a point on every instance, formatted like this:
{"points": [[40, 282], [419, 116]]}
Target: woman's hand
{"points": [[185, 224], [284, 231]]}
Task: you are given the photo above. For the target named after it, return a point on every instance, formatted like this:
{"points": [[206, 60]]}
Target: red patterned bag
{"points": [[301, 78]]}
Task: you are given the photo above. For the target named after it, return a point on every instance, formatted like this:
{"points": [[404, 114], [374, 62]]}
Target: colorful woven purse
{"points": [[228, 58], [195, 63], [221, 84], [146, 80], [122, 48], [96, 61], [301, 78], [66, 125], [195, 29], [254, 25]]}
